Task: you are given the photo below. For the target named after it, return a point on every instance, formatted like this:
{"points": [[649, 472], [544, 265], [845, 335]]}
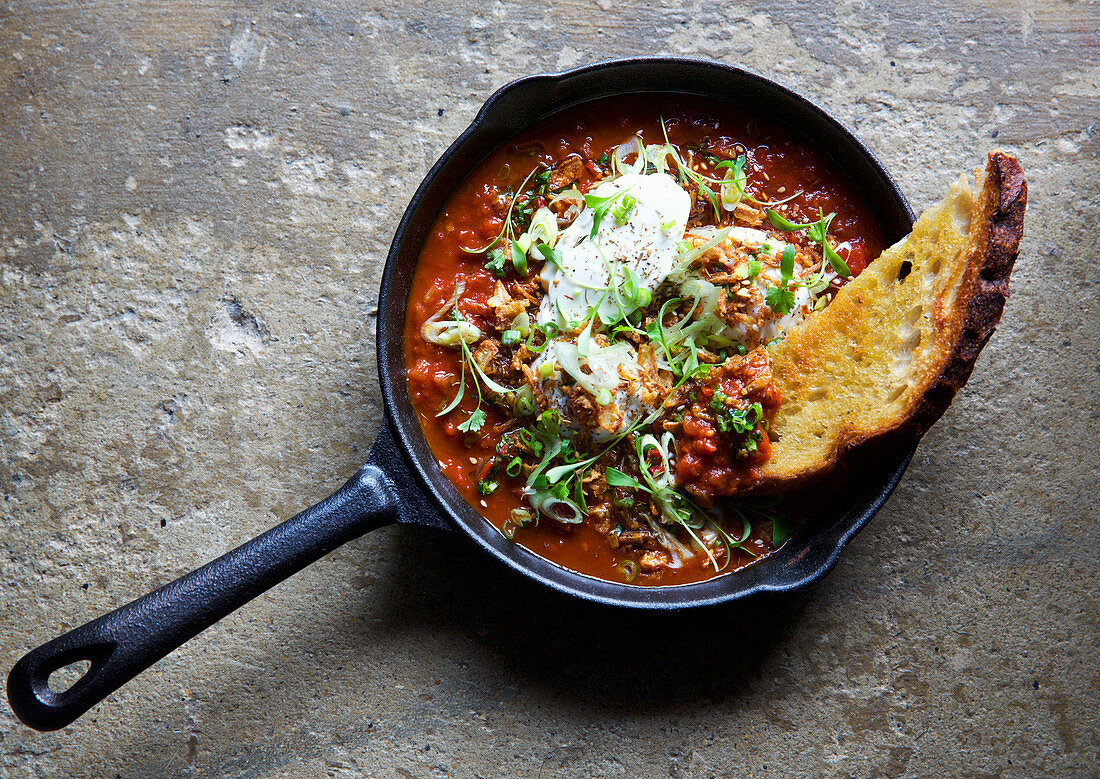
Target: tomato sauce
{"points": [[780, 164]]}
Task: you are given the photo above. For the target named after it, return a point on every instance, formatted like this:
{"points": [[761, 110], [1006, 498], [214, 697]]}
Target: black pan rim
{"points": [[460, 515]]}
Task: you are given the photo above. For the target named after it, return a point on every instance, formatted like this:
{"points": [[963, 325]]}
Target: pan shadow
{"points": [[617, 658]]}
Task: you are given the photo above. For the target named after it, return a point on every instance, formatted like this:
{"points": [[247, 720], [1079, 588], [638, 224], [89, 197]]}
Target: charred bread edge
{"points": [[989, 290], [1004, 201]]}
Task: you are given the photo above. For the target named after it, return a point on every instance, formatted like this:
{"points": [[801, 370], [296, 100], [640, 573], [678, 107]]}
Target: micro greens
{"points": [[780, 299], [818, 232], [601, 204], [732, 188], [766, 509], [549, 254], [654, 462], [519, 259], [735, 543], [617, 478], [495, 256], [477, 417]]}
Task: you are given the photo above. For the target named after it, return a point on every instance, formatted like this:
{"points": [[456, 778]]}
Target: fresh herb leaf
{"points": [[754, 269], [617, 478], [474, 423], [780, 223], [600, 205], [495, 262], [519, 259], [786, 262], [779, 299], [549, 254], [836, 260]]}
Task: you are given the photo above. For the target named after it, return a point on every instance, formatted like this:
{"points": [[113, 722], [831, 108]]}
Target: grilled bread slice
{"points": [[882, 362]]}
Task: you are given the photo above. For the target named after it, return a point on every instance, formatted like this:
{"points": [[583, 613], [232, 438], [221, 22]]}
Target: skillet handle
{"points": [[125, 642]]}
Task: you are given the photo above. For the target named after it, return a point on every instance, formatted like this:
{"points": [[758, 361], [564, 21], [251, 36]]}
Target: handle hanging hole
{"points": [[65, 677]]}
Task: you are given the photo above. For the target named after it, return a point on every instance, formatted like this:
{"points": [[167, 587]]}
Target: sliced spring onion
{"points": [[522, 323], [557, 508], [688, 254], [624, 208], [450, 332], [563, 510], [618, 159], [510, 337], [629, 570], [602, 364], [733, 184], [543, 228], [524, 402]]}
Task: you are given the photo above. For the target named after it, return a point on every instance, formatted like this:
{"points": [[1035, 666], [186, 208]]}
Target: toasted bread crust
{"points": [[1004, 201], [996, 232]]}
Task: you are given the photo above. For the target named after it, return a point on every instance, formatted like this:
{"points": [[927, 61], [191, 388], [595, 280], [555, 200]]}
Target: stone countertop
{"points": [[197, 198]]}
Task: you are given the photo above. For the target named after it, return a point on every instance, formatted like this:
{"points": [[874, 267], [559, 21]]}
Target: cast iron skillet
{"points": [[401, 481]]}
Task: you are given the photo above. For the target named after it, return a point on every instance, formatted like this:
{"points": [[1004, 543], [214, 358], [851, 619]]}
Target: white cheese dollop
{"points": [[641, 243]]}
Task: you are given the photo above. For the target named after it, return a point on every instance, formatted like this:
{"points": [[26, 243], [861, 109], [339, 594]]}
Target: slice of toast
{"points": [[882, 362]]}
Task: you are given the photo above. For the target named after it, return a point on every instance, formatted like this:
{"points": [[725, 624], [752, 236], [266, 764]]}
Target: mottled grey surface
{"points": [[195, 202]]}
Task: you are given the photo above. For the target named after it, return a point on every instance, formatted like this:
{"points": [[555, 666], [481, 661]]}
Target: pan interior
{"points": [[513, 109]]}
